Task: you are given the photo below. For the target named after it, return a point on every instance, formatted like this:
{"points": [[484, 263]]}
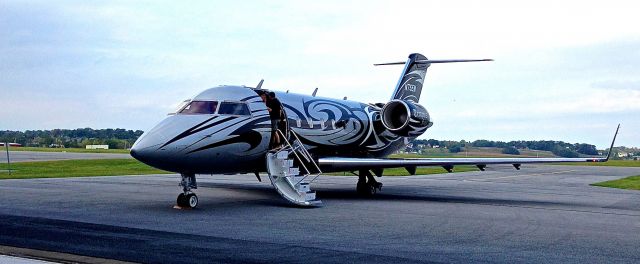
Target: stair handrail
{"points": [[310, 159], [306, 152], [294, 153]]}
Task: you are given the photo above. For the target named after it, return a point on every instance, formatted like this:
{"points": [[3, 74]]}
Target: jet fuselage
{"points": [[227, 130]]}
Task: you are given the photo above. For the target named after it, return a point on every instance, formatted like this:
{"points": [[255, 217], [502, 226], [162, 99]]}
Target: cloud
{"points": [[588, 102], [633, 85]]}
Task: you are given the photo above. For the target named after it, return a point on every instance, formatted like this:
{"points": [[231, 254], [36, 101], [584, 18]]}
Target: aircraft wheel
{"points": [[365, 189], [192, 200], [182, 200], [372, 190]]}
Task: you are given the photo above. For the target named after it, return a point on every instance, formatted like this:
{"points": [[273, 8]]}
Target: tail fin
{"points": [[410, 84]]}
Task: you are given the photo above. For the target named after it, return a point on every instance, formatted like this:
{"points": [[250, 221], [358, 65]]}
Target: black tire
{"points": [[365, 190], [377, 186], [182, 200], [373, 190]]}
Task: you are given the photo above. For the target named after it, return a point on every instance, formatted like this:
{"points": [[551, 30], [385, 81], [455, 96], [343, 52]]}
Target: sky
{"points": [[563, 70]]}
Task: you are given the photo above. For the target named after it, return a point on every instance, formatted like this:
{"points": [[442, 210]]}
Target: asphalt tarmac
{"points": [[538, 214], [24, 156]]}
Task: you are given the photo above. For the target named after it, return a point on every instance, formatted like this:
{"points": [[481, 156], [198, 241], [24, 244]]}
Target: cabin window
{"points": [[200, 107], [234, 108]]}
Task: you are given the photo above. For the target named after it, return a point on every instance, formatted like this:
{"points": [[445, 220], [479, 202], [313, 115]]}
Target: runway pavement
{"points": [[539, 214], [23, 156]]}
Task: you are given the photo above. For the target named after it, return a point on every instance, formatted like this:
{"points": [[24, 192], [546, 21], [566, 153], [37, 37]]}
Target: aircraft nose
{"points": [[142, 149], [134, 153], [137, 153]]}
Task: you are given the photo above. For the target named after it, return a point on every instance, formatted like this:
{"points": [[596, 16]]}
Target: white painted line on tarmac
{"points": [[18, 260]]}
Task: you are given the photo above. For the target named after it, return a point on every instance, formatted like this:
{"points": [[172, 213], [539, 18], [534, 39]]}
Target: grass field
{"points": [[451, 155], [630, 183], [114, 167], [494, 152], [612, 163], [76, 150], [76, 168], [110, 167], [419, 171], [474, 152]]}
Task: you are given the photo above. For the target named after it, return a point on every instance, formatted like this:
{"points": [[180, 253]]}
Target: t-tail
{"points": [[402, 115], [409, 86]]}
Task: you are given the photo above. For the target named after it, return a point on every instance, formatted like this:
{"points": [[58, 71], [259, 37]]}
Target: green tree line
{"points": [[559, 148], [122, 138], [72, 138]]}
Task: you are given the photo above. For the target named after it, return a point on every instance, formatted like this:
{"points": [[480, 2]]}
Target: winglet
{"points": [[260, 84], [612, 142]]}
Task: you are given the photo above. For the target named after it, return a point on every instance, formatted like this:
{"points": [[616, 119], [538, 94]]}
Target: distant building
{"points": [[97, 147], [11, 145]]}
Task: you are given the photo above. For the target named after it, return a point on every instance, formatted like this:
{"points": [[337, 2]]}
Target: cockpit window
{"points": [[180, 106], [234, 108], [200, 107]]}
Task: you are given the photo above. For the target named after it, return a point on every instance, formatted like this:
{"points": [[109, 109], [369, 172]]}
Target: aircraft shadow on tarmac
{"points": [[349, 194]]}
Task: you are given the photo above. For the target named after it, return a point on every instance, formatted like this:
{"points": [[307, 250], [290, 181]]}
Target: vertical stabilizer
{"points": [[409, 86]]}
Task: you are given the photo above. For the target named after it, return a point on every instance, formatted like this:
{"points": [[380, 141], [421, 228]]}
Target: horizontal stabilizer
{"points": [[429, 62]]}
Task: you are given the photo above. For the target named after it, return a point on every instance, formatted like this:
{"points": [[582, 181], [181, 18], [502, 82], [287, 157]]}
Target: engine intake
{"points": [[405, 118]]}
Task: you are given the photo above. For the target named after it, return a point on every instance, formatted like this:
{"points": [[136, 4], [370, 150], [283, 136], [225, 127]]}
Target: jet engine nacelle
{"points": [[405, 118]]}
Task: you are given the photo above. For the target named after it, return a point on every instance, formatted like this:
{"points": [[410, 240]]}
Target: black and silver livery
{"points": [[227, 129]]}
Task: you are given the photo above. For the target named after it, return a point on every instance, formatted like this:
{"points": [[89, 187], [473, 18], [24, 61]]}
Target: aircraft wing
{"points": [[350, 164], [347, 164]]}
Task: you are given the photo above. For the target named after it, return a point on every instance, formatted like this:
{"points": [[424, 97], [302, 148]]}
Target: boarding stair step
{"points": [[287, 178]]}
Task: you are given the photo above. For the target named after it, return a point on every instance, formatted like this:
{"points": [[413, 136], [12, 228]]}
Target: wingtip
{"points": [[612, 143], [389, 63]]}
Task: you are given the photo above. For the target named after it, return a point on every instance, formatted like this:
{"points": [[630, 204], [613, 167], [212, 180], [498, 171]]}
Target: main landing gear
{"points": [[367, 185], [188, 199]]}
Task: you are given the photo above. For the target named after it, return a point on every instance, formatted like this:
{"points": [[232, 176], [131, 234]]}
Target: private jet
{"points": [[228, 130]]}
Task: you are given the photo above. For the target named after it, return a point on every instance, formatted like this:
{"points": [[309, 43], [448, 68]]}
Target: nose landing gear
{"points": [[188, 199]]}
